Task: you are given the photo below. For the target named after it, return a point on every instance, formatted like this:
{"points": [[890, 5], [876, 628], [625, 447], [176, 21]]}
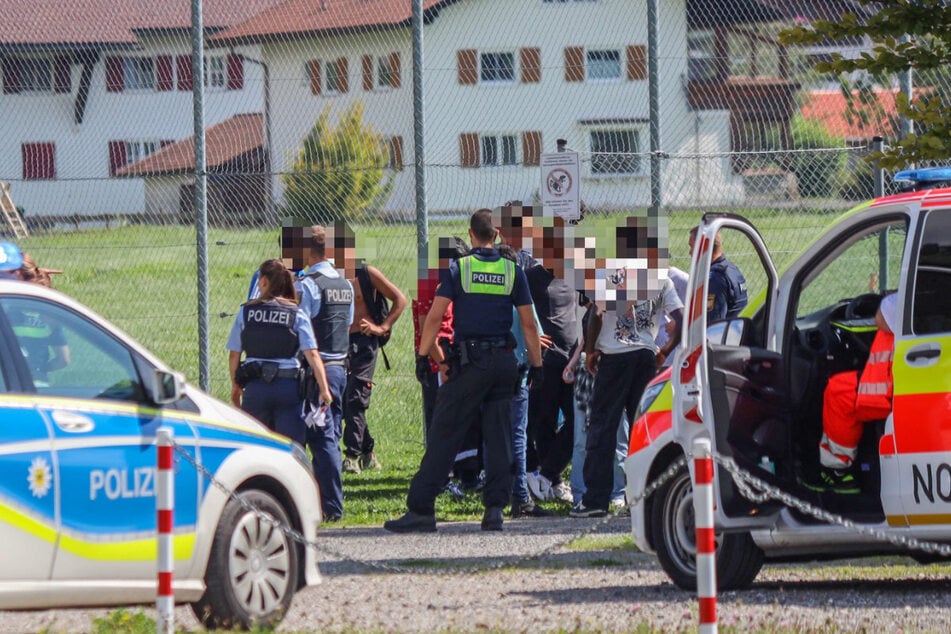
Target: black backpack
{"points": [[377, 304]]}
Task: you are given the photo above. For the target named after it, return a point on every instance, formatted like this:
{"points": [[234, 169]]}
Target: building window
{"points": [[138, 73], [499, 149], [614, 152], [216, 75], [135, 151], [39, 161], [701, 61], [603, 65], [388, 71], [497, 67], [335, 76], [36, 74]]}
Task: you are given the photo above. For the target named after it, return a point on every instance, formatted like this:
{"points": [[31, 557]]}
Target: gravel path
{"points": [[453, 581]]}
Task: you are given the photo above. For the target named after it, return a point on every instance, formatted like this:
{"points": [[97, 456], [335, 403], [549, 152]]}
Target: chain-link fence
{"points": [[312, 108]]}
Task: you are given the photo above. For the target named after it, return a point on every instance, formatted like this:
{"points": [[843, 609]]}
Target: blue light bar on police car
{"points": [[924, 175]]}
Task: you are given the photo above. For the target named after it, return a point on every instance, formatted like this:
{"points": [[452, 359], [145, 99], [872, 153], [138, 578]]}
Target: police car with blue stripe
{"points": [[80, 403]]}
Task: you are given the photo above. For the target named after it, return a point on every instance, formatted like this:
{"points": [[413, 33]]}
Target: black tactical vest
{"points": [[332, 323], [269, 330]]}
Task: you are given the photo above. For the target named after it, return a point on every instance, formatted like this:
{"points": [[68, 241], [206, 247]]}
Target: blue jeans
{"points": [[519, 442], [324, 443]]}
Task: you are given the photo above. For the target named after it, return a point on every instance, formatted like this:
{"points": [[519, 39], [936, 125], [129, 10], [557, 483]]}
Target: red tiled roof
{"points": [[28, 22], [303, 17], [224, 142], [829, 109]]}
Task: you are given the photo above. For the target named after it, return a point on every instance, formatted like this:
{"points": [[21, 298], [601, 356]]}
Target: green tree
{"points": [[926, 51], [340, 171]]}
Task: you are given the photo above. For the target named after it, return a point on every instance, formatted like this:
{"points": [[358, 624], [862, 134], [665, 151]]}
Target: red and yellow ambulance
{"points": [[754, 386]]}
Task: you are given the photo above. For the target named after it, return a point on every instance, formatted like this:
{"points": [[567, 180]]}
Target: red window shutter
{"points": [[367, 66], [11, 76], [531, 148], [117, 157], [115, 82], [531, 59], [235, 72], [396, 147], [469, 149], [62, 75], [313, 69], [39, 161], [574, 63], [184, 68], [636, 63], [468, 66], [395, 70], [163, 72], [342, 74]]}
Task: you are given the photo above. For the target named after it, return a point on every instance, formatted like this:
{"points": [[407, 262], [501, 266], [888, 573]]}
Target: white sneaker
{"points": [[561, 492], [618, 504], [539, 485]]}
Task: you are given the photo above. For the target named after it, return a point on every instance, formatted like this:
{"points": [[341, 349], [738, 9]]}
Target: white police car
{"points": [[81, 403]]}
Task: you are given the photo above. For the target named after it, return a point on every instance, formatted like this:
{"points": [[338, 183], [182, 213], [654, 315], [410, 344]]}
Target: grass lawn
{"points": [[143, 278]]}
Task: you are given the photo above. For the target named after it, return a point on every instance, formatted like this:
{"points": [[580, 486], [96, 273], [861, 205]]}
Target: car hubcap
{"points": [[259, 562], [680, 525]]}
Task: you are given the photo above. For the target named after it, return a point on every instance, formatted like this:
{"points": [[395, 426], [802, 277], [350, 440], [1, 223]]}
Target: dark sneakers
{"points": [[835, 481], [414, 523], [492, 520], [580, 510], [528, 509]]}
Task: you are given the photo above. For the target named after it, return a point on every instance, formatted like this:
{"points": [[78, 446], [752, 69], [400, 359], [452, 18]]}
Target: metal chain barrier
{"points": [[756, 490], [506, 563]]}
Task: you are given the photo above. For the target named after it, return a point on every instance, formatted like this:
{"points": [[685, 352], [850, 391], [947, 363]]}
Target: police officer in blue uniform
{"points": [[726, 292], [481, 375], [271, 331], [327, 300]]}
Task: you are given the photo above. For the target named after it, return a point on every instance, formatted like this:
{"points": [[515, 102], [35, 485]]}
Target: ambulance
{"points": [[754, 386], [80, 404]]}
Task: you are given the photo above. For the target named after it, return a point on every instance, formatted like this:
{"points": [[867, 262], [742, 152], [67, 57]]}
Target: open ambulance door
{"points": [[729, 382]]}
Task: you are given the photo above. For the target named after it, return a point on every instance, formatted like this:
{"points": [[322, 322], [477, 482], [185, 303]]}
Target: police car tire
{"points": [[673, 532], [241, 536]]}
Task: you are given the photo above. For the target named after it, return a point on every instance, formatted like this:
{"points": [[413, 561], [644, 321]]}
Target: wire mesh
{"points": [[309, 112]]}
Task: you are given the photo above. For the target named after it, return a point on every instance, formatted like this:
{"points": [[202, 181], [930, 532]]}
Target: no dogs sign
{"points": [[560, 185]]}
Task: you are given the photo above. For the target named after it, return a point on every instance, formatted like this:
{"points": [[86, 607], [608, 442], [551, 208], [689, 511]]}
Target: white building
{"points": [[91, 86]]}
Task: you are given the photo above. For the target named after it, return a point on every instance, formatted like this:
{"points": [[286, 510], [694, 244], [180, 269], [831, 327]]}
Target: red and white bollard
{"points": [[165, 507], [706, 536]]}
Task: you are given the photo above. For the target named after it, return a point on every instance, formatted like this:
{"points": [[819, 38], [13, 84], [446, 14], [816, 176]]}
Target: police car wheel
{"points": [[253, 568], [673, 530]]}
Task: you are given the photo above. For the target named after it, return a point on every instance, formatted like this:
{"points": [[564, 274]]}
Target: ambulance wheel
{"points": [[674, 539], [252, 571]]}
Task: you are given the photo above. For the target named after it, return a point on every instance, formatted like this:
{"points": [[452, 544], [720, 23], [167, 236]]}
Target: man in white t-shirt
{"points": [[622, 354]]}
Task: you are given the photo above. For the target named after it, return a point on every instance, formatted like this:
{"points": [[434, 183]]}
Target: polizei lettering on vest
{"points": [[261, 316], [496, 279], [338, 295]]}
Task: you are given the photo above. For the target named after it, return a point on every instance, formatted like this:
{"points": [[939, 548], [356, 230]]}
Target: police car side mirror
{"points": [[167, 387]]}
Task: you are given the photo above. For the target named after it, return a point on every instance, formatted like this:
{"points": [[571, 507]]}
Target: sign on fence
{"points": [[561, 185]]}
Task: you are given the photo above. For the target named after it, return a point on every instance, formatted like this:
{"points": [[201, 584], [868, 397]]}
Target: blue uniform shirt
{"points": [[726, 296], [480, 316], [310, 297], [305, 333]]}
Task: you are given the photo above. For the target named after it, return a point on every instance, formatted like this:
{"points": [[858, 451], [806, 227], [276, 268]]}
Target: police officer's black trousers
{"points": [[482, 388], [357, 440]]}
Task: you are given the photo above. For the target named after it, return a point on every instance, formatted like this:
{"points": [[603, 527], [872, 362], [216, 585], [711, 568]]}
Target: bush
{"points": [[339, 171], [818, 173]]}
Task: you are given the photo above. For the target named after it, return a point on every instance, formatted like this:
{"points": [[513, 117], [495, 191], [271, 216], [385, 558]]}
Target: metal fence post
{"points": [[201, 189], [165, 511], [706, 535], [878, 145], [419, 129]]}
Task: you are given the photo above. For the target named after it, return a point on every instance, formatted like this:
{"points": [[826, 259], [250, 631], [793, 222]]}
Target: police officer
{"points": [[270, 330], [481, 375], [727, 290], [327, 300]]}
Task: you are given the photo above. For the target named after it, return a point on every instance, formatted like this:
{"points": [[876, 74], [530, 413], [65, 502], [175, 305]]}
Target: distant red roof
{"points": [[60, 22], [224, 143], [829, 108], [305, 17]]}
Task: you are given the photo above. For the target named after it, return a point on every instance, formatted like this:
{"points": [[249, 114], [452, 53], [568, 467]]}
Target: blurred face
{"points": [[341, 249]]}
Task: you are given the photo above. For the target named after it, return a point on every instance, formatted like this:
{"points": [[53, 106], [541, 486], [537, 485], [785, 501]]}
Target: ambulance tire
{"points": [[739, 560], [253, 568]]}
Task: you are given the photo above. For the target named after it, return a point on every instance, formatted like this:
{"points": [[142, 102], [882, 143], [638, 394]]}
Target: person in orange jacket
{"points": [[854, 398]]}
